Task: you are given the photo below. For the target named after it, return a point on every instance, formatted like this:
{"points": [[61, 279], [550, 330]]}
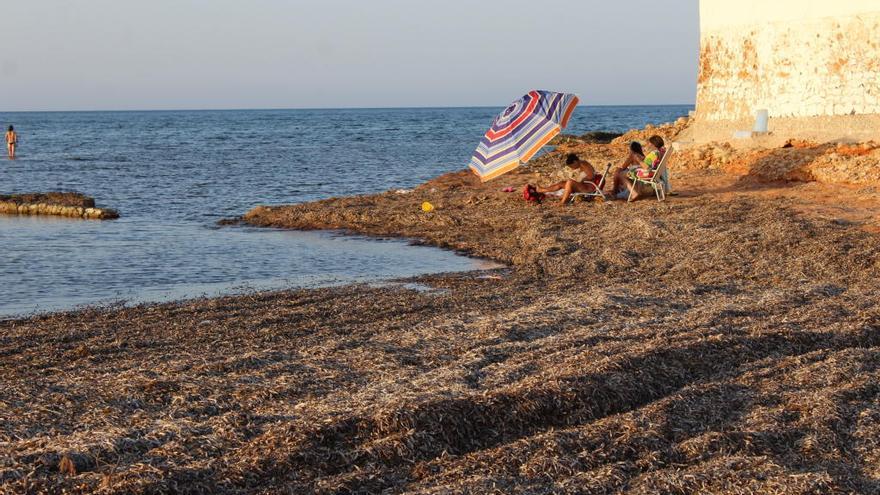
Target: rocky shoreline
{"points": [[73, 205], [723, 341]]}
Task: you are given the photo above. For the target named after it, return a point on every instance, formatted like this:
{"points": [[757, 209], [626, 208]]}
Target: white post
{"points": [[762, 118]]}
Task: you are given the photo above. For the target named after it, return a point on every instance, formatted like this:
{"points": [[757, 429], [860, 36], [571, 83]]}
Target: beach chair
{"points": [[657, 181], [597, 192]]}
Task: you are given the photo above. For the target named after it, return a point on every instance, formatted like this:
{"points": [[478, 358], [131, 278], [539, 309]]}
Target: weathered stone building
{"points": [[813, 64]]}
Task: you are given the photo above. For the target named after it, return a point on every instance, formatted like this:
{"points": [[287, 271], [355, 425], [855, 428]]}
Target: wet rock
{"points": [[600, 137], [72, 205]]}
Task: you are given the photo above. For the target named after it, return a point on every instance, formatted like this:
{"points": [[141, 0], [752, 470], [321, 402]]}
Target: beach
{"points": [[722, 341], [439, 248]]}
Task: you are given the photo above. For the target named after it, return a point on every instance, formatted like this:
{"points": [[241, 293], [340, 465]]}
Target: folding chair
{"points": [[656, 181], [597, 192]]}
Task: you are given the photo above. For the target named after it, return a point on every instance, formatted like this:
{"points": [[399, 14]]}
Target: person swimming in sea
{"points": [[11, 141]]}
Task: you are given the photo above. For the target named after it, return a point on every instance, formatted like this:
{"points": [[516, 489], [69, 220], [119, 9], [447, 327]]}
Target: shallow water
{"points": [[172, 175]]}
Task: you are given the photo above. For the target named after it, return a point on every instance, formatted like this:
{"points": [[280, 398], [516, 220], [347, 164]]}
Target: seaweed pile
{"points": [[52, 198], [708, 344]]}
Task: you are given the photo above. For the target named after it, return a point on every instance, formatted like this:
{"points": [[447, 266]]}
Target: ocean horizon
{"points": [[273, 109]]}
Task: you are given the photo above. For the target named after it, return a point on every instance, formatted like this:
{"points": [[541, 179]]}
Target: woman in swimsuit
{"points": [[11, 141], [586, 183]]}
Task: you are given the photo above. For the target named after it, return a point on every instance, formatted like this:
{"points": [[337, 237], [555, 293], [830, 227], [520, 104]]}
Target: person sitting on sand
{"points": [[570, 186], [638, 164], [11, 141]]}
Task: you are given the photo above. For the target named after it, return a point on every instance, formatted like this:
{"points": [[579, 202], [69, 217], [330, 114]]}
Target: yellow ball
{"points": [[427, 207]]}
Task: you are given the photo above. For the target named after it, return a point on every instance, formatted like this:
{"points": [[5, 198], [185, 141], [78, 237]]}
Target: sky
{"points": [[219, 54]]}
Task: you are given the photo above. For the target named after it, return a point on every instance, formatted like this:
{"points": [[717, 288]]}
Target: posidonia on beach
{"points": [[720, 341]]}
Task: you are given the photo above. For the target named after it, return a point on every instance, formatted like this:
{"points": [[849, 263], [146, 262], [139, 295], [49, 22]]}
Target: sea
{"points": [[173, 174]]}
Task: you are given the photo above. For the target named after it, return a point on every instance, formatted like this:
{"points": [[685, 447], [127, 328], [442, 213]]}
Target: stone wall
{"points": [[797, 59]]}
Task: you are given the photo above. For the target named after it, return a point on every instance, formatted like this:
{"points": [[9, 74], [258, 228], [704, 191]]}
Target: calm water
{"points": [[172, 175]]}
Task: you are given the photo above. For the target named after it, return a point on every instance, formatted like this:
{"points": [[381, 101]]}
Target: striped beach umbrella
{"points": [[520, 131]]}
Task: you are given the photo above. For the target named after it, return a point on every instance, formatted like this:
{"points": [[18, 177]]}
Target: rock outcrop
{"points": [[73, 205]]}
